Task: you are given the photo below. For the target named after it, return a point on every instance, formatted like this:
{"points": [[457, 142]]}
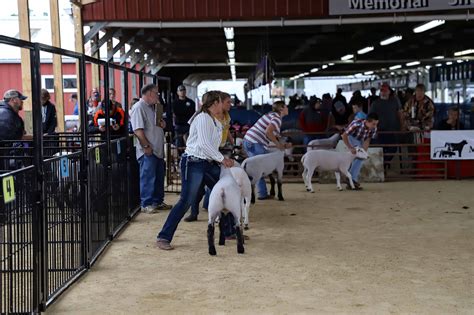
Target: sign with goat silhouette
{"points": [[452, 145]]}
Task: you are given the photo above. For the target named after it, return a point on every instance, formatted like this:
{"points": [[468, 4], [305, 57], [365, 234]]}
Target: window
{"points": [[69, 83]]}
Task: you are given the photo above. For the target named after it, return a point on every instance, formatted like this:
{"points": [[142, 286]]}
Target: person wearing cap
{"points": [[312, 119], [419, 111], [388, 109], [183, 109], [13, 127]]}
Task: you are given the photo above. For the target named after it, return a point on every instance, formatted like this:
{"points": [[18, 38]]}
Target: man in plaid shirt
{"points": [[358, 134]]}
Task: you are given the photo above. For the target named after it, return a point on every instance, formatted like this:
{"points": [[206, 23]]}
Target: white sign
{"points": [[452, 145], [342, 7]]}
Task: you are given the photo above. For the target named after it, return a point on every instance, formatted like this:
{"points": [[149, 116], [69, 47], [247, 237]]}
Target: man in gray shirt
{"points": [[150, 150]]}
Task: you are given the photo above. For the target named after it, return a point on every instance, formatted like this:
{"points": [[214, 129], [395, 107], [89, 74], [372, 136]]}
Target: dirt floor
{"points": [[389, 249]]}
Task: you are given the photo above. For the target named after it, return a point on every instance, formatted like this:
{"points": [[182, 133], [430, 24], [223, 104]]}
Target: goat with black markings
{"points": [[225, 197]]}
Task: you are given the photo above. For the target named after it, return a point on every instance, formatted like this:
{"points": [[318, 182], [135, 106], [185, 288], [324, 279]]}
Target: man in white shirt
{"points": [[150, 150]]}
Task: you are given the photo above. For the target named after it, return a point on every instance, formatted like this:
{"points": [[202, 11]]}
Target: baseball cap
{"points": [[385, 87], [12, 94], [181, 88]]}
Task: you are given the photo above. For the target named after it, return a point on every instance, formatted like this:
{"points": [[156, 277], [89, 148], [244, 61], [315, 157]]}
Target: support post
{"points": [[95, 68], [57, 64], [24, 22], [79, 47]]}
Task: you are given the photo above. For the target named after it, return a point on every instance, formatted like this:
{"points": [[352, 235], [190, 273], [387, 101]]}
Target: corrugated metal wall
{"points": [[202, 10]]}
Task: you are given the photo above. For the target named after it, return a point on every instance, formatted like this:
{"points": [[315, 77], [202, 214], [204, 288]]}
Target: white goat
{"points": [[243, 181], [326, 143], [325, 160], [262, 165], [225, 197]]}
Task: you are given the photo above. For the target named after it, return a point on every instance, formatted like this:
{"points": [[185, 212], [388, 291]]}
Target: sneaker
{"points": [[163, 206], [150, 209], [164, 244], [191, 218]]}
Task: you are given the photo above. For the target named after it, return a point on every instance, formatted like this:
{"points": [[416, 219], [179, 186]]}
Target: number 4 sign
{"points": [[8, 189]]}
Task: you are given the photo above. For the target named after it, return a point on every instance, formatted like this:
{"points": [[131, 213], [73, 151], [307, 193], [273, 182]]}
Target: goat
{"points": [[243, 181], [225, 197], [262, 165], [325, 160]]}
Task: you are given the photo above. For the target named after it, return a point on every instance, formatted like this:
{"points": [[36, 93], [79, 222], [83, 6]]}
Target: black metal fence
{"points": [[63, 197]]}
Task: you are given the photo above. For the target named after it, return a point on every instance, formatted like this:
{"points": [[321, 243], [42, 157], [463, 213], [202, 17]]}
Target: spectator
{"points": [[48, 112], [452, 122], [199, 163], [150, 150], [183, 109], [357, 108], [388, 110], [312, 119], [117, 120], [264, 131], [359, 134], [419, 111], [340, 111], [359, 99], [326, 103], [372, 98], [13, 127], [73, 100], [113, 98]]}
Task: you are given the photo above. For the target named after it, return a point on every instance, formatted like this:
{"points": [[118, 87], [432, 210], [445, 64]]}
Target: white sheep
{"points": [[326, 143], [225, 197], [243, 181], [262, 165], [326, 160]]}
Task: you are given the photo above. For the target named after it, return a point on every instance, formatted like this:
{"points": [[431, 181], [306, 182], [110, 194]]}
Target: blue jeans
{"points": [[194, 172], [254, 149], [205, 192], [357, 163], [152, 180]]}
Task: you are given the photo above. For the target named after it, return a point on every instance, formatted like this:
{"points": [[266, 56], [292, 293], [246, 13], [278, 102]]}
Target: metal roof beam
{"points": [[124, 40]]}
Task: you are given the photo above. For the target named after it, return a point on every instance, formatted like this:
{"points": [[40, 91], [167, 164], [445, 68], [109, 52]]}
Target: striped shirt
{"points": [[358, 130], [205, 135], [257, 134]]}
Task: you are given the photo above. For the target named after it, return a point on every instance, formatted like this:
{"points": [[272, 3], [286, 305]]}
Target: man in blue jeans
{"points": [[150, 150], [359, 134]]}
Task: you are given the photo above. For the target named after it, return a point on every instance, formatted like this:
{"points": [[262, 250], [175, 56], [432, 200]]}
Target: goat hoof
{"points": [[339, 188], [240, 249], [312, 191], [307, 189], [281, 198], [222, 242], [246, 227], [212, 251]]}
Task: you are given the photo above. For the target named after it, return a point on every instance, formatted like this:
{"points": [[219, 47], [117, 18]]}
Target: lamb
{"points": [[326, 143], [225, 197], [325, 160], [262, 165], [243, 181]]}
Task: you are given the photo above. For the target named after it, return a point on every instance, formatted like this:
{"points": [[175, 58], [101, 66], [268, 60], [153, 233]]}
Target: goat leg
{"points": [[221, 231], [252, 201], [210, 240], [280, 191], [240, 240], [272, 185]]}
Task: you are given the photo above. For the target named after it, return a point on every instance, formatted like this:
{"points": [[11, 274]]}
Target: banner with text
{"points": [[452, 145], [343, 7]]}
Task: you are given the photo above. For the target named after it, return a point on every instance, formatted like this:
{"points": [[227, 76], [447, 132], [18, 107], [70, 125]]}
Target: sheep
{"points": [[326, 143], [243, 181], [225, 197], [262, 165], [325, 160]]}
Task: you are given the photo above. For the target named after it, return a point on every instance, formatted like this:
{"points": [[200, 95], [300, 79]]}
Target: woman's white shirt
{"points": [[205, 136]]}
